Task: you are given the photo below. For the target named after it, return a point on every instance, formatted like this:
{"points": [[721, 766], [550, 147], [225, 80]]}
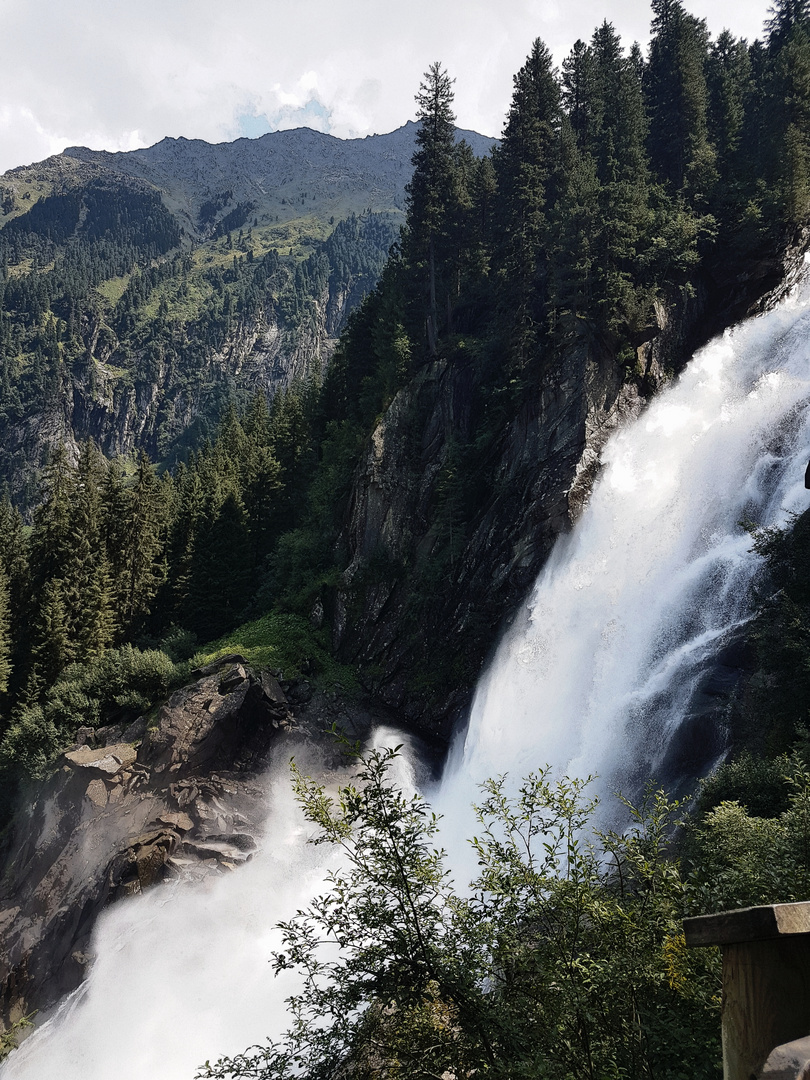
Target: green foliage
{"points": [[285, 643], [742, 860], [564, 959], [9, 1039], [125, 681], [761, 786], [780, 685]]}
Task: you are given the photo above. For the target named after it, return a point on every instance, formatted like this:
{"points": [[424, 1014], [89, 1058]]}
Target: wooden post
{"points": [[766, 980]]}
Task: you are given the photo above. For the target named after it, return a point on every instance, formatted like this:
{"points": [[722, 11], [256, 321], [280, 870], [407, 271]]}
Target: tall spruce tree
{"points": [[792, 127], [50, 537], [431, 191], [677, 100], [729, 85], [784, 15], [5, 631], [86, 577], [525, 165], [142, 556]]}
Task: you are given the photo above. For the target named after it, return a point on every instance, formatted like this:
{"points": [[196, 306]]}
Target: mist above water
{"points": [[595, 676]]}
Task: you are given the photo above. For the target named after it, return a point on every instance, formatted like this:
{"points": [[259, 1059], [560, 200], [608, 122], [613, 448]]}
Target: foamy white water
{"points": [[594, 678]]}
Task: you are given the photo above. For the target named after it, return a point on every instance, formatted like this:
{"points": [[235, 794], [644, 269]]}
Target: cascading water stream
{"points": [[595, 677]]}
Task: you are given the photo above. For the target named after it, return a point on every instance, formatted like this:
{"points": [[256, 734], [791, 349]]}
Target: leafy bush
{"points": [[565, 958], [120, 679], [741, 860], [761, 785]]}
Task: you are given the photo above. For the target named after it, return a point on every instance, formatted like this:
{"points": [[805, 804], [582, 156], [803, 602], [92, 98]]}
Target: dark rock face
{"points": [[114, 820], [544, 466]]}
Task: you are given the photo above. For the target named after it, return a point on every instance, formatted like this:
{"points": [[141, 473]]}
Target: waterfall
{"points": [[595, 676], [600, 670]]}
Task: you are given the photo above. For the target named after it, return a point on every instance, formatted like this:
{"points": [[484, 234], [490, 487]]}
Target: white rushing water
{"points": [[594, 677]]}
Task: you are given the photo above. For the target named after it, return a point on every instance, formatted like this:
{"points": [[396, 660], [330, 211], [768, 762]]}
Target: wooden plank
{"points": [[766, 1001], [748, 924]]}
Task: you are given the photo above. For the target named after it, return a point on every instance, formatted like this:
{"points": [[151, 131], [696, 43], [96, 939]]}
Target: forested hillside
{"points": [[142, 292], [398, 505]]}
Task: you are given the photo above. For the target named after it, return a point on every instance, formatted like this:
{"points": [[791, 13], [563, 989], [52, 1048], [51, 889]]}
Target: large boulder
{"points": [[791, 1061]]}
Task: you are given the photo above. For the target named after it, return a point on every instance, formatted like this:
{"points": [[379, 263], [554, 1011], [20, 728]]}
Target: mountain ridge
{"points": [[277, 173]]}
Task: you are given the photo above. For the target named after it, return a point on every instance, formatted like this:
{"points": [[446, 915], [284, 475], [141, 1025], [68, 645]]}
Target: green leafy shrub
{"points": [[564, 959], [120, 679], [741, 860]]}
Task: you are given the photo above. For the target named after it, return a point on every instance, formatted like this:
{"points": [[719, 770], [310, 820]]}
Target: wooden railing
{"points": [[766, 981]]}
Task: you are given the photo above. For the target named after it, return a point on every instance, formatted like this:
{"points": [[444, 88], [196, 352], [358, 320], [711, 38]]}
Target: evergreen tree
{"points": [[784, 16], [617, 144], [52, 647], [677, 100], [260, 477], [431, 190], [5, 631], [577, 90], [219, 579], [729, 85], [14, 555], [525, 164], [50, 538], [573, 230], [793, 123], [87, 585], [143, 552]]}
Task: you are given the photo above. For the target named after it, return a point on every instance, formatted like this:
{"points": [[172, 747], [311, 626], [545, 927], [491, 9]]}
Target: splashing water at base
{"points": [[595, 678]]}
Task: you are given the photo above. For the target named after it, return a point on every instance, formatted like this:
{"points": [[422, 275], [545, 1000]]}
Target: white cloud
{"points": [[111, 74]]}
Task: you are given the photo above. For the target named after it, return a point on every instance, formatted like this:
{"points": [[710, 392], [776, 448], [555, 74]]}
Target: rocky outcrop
{"points": [[127, 808], [791, 1061]]}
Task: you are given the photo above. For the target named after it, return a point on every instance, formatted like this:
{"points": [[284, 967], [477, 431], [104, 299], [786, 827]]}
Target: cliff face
{"points": [[422, 648], [154, 405]]}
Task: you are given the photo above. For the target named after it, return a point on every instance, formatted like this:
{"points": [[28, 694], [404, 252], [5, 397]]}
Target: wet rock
{"points": [[142, 864], [228, 710], [180, 821], [221, 850], [97, 793]]}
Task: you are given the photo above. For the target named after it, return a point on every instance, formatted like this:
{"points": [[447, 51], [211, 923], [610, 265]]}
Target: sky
{"points": [[121, 74]]}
